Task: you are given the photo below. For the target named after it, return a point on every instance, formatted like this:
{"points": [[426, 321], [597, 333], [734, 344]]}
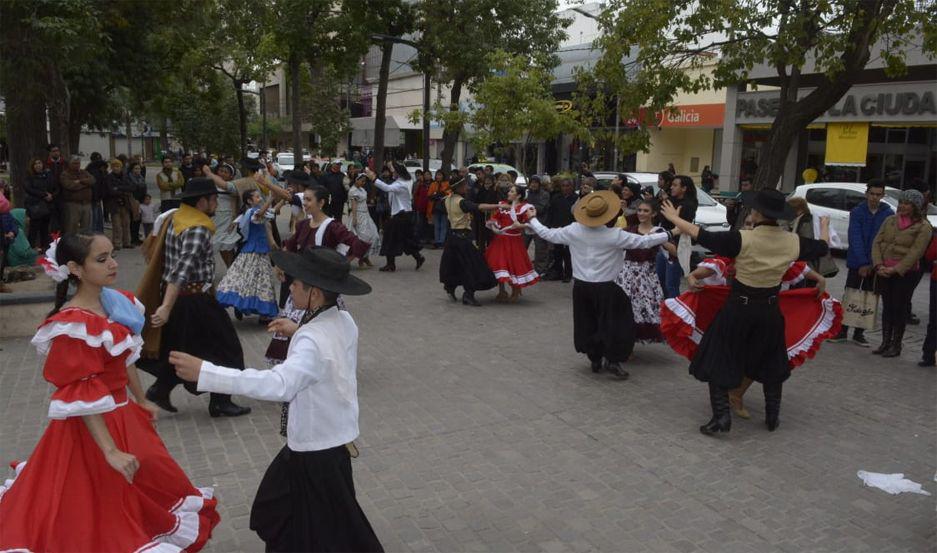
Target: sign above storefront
{"points": [[700, 116], [893, 102]]}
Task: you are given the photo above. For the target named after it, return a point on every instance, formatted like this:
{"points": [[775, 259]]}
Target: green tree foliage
{"points": [[515, 104], [653, 49], [456, 38], [204, 113]]}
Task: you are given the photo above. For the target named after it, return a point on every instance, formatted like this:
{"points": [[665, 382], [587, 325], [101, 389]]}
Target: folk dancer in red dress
{"points": [[507, 255], [747, 333], [100, 478]]}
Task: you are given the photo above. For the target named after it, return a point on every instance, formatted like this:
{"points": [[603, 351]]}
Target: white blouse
{"points": [[596, 252], [399, 193], [318, 379]]}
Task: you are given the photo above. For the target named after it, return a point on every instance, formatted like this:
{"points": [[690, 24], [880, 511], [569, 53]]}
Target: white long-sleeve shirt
{"points": [[399, 193], [317, 379], [596, 252]]}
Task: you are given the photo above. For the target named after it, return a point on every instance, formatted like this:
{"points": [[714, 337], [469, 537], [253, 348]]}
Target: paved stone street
{"points": [[482, 430]]}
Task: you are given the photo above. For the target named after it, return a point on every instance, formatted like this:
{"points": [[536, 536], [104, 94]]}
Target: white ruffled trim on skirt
{"points": [[517, 280], [59, 409], [821, 326]]}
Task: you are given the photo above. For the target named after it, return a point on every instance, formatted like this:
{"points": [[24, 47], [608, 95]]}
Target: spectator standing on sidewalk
{"points": [[98, 169], [896, 254], [77, 185], [540, 199], [865, 220]]}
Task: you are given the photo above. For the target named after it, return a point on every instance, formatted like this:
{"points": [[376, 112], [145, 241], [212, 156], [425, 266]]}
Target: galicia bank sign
{"points": [[896, 103]]}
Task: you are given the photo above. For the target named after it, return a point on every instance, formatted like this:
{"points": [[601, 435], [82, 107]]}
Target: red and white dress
{"points": [[506, 254], [67, 497], [808, 320]]}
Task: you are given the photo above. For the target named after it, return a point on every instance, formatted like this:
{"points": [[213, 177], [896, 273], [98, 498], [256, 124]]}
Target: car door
{"points": [[830, 202]]}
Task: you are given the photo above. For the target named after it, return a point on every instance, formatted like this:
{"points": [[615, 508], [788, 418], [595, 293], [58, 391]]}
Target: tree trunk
{"points": [[295, 115], [380, 116], [164, 136], [74, 134], [59, 102], [242, 116], [129, 137], [450, 134], [26, 132]]}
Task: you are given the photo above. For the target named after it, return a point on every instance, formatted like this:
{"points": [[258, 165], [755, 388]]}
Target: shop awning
{"points": [[362, 130], [847, 144]]}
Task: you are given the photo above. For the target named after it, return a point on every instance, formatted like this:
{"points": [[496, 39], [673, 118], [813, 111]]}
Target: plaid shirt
{"points": [[189, 256]]}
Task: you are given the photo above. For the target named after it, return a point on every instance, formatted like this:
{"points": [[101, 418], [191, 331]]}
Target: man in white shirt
{"points": [[603, 323], [319, 382]]}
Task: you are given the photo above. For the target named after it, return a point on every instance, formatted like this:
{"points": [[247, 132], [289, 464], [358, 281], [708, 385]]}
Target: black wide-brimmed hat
{"points": [[198, 187], [251, 164], [773, 205], [323, 268]]}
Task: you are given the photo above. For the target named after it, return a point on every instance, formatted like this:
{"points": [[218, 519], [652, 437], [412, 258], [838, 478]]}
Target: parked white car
{"points": [[837, 199], [711, 215], [500, 168], [414, 164], [286, 162]]}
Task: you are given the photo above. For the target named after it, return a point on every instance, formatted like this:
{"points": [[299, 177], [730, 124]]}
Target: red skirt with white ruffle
{"points": [[808, 320], [68, 498]]}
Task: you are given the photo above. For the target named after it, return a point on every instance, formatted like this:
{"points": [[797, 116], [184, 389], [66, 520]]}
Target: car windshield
{"points": [[286, 160], [704, 199]]}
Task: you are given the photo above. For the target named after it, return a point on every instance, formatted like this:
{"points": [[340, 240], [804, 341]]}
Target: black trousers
{"points": [[603, 322], [562, 261], [896, 299], [929, 349], [39, 233]]}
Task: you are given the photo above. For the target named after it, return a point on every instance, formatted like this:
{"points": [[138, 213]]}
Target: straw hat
{"points": [[597, 209]]}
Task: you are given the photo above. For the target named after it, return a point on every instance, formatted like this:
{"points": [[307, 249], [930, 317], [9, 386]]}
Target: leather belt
{"points": [[762, 300], [192, 288]]}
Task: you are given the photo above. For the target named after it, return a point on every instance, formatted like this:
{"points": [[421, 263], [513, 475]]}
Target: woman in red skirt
{"points": [[506, 255], [100, 478]]}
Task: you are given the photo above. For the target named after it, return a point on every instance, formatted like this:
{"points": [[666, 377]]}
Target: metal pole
{"points": [[263, 118], [426, 86]]}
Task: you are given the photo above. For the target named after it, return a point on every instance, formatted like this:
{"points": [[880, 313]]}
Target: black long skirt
{"points": [[463, 265], [306, 502], [398, 236], [199, 326], [603, 322], [744, 340]]}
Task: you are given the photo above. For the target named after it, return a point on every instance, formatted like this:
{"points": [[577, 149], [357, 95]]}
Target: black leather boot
{"points": [[886, 339], [894, 348], [451, 293], [772, 405], [160, 397], [468, 298], [722, 415], [221, 405]]}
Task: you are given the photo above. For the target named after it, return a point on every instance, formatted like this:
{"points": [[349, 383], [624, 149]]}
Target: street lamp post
{"points": [[426, 91]]}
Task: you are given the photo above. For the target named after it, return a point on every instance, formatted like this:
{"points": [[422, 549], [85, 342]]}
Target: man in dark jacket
{"points": [[560, 214], [865, 220], [98, 169], [332, 180]]}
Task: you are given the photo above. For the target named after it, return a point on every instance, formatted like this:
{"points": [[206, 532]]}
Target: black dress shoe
{"points": [[716, 425], [926, 363], [617, 370], [420, 260], [227, 409], [597, 366], [451, 294], [387, 269], [152, 394], [469, 299]]}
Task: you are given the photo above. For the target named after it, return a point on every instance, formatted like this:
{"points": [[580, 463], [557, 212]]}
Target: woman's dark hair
{"points": [[488, 179], [666, 175], [32, 164], [245, 198], [438, 173], [321, 193], [687, 182], [655, 207], [402, 172], [134, 164], [520, 190], [71, 247]]}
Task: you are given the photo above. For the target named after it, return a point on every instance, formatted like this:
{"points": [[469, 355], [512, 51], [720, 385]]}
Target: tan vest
{"points": [[766, 255], [458, 219]]}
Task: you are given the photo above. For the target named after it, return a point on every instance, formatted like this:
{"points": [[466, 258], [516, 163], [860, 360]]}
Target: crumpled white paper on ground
{"points": [[892, 483]]}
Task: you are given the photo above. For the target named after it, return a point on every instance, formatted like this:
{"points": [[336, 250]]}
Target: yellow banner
{"points": [[847, 144]]}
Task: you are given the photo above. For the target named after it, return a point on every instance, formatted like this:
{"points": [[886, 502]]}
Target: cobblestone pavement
{"points": [[482, 430]]}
